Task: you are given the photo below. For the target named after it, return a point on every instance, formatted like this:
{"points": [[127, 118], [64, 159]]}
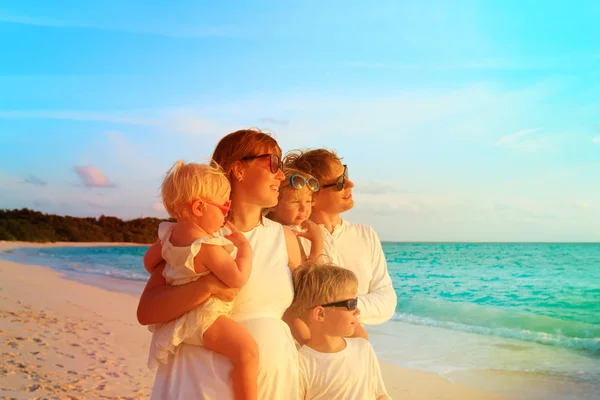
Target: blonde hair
{"points": [[315, 162], [316, 284], [186, 182]]}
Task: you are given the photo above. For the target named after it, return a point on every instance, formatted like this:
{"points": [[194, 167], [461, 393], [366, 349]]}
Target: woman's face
{"points": [[258, 185], [330, 200]]}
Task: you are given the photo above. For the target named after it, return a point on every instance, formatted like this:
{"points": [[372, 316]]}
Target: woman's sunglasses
{"points": [[275, 161], [223, 207], [350, 304], [298, 182], [340, 182]]}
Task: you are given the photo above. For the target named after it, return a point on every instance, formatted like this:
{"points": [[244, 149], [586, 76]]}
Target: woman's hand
{"points": [[219, 289]]}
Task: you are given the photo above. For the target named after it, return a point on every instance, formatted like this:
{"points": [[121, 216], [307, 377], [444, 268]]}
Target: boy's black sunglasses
{"points": [[350, 304], [340, 182], [275, 161]]}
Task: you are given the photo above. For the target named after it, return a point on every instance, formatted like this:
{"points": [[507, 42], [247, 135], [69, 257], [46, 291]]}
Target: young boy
{"points": [[333, 366]]}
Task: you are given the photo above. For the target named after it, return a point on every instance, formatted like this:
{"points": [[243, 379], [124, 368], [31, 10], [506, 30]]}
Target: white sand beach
{"points": [[65, 339]]}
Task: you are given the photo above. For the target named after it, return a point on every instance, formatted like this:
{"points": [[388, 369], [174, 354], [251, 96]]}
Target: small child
{"points": [[332, 365], [294, 208], [197, 195]]}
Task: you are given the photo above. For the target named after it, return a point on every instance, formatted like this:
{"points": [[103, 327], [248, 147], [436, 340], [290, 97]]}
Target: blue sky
{"points": [[460, 121]]}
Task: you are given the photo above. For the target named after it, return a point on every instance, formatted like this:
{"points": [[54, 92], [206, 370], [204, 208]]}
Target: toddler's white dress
{"points": [[190, 327]]}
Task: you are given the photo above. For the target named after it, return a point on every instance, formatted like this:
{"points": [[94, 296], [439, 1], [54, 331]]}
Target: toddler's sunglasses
{"points": [[350, 304], [223, 207], [340, 182], [298, 182]]}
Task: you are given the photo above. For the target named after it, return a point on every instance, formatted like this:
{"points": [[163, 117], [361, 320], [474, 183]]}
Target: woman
{"points": [[352, 246], [252, 161]]}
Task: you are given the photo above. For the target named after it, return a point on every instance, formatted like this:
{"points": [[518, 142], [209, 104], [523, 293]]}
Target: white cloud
{"points": [[475, 216], [189, 123], [34, 180], [91, 177], [115, 117], [275, 121], [378, 187], [159, 208], [127, 153], [534, 140], [580, 205], [160, 28], [514, 138], [596, 140]]}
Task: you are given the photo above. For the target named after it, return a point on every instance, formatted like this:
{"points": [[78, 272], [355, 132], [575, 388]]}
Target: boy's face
{"points": [[294, 207], [339, 321]]}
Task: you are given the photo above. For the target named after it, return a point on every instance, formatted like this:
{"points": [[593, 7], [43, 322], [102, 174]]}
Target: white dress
{"points": [[179, 270], [194, 372]]}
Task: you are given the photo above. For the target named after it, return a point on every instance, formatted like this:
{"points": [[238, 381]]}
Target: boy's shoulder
{"points": [[353, 345], [359, 344]]}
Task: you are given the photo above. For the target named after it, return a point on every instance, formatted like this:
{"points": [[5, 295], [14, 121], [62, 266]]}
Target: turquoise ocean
{"points": [[528, 314]]}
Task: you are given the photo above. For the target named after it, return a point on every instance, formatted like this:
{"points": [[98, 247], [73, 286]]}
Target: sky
{"points": [[460, 121]]}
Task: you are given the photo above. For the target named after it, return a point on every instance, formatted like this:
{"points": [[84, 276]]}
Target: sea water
{"points": [[504, 307]]}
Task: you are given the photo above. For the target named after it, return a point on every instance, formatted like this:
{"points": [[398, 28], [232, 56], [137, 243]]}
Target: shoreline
{"points": [[8, 245], [69, 337]]}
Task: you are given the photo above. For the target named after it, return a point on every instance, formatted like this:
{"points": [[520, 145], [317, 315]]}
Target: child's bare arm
{"points": [[153, 256], [233, 273], [293, 248], [313, 233], [299, 329]]}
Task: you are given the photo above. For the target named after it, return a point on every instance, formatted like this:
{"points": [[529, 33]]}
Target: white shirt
{"points": [[357, 247], [350, 374]]}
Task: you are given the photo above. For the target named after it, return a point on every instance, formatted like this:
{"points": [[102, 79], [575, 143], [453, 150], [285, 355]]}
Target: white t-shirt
{"points": [[357, 247], [350, 374]]}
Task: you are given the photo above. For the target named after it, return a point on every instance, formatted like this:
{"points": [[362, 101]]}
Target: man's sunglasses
{"points": [[275, 161], [223, 207], [298, 182], [340, 182], [350, 304]]}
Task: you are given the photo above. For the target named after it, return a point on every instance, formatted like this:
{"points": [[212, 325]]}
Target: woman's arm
{"points": [[153, 256], [161, 302]]}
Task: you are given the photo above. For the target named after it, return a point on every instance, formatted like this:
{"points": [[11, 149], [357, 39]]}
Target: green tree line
{"points": [[34, 226]]}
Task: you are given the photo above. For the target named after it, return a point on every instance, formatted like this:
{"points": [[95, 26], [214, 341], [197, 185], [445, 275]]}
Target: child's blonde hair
{"points": [[316, 284], [187, 182]]}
